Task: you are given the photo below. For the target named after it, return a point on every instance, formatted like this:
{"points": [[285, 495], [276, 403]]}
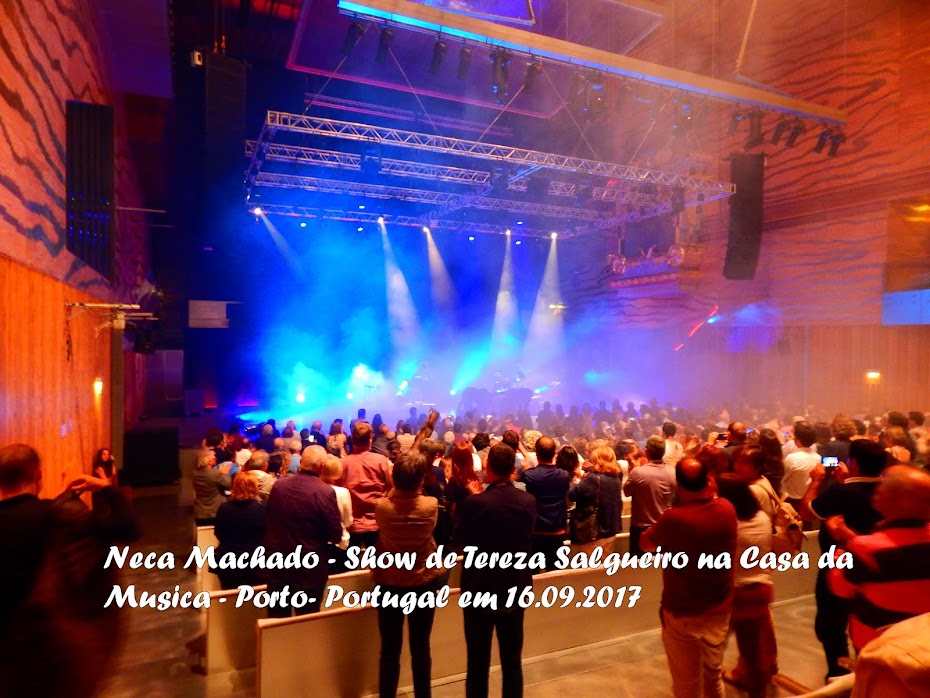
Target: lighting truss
{"points": [[646, 211], [404, 168], [410, 221], [313, 125], [423, 196]]}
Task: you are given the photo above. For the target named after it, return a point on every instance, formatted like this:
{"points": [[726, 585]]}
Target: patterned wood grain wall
{"points": [[825, 237], [40, 390], [50, 53]]}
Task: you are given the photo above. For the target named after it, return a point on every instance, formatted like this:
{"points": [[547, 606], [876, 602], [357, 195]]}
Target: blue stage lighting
{"points": [[303, 224], [360, 229], [348, 396], [471, 238], [361, 207], [519, 222], [257, 210], [519, 242], [301, 397], [451, 392]]}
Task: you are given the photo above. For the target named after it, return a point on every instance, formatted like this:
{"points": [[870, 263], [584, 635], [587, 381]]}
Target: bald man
{"points": [[889, 580]]}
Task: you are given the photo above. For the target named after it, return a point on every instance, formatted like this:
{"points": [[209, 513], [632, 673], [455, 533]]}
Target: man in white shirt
{"points": [[799, 464], [674, 451], [259, 464]]}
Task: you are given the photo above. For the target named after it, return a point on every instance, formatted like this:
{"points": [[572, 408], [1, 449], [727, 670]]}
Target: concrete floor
{"points": [[162, 650]]}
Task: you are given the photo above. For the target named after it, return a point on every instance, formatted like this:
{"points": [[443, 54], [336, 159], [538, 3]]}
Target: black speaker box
{"points": [[745, 231], [150, 457]]}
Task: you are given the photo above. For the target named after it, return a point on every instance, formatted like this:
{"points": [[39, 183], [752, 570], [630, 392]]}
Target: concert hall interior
{"points": [[488, 224]]}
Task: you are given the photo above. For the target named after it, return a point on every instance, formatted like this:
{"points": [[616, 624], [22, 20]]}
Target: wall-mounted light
{"points": [[873, 377], [98, 386]]}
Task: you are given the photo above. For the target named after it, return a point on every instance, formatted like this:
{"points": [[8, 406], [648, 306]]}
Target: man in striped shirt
{"points": [[889, 580]]}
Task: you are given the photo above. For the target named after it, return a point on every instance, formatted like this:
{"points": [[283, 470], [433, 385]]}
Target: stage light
{"points": [[426, 230], [533, 71], [361, 207], [257, 210], [554, 235], [98, 386], [837, 140], [576, 90], [348, 396], [734, 122], [381, 220], [353, 34], [519, 222], [464, 62], [507, 232], [779, 131], [500, 74], [303, 224], [797, 130], [756, 137], [595, 97], [439, 52], [451, 392], [822, 141], [471, 238], [873, 377], [519, 242], [385, 40], [301, 397], [360, 229]]}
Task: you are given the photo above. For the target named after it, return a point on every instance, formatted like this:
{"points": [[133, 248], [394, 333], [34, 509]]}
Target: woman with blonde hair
{"points": [[240, 528], [330, 474], [336, 441], [598, 497]]}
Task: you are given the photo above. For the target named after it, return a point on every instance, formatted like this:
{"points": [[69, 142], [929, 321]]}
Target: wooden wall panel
{"points": [[40, 390]]}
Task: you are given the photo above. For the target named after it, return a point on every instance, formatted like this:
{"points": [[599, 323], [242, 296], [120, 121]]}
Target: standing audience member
{"points": [[652, 489], [549, 485], [674, 451], [751, 618], [736, 437], [302, 510], [405, 437], [295, 448], [330, 474], [499, 520], [889, 580], [843, 430], [748, 465], [336, 441], [774, 468], [57, 638], [799, 464], [464, 481], [367, 476], [265, 442], [240, 528], [851, 501], [210, 486], [405, 521], [316, 434], [600, 488], [696, 602]]}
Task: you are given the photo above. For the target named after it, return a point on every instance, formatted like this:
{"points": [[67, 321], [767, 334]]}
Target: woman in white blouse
{"points": [[330, 473]]}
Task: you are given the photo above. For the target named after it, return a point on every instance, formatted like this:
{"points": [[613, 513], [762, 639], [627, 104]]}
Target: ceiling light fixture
{"points": [[464, 62], [353, 34], [385, 39], [533, 70], [439, 52], [797, 130]]}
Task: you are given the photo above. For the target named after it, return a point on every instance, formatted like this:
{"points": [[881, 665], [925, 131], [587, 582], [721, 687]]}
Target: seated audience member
{"points": [[336, 441], [406, 520], [265, 442], [799, 464], [652, 489], [258, 464], [104, 466], [216, 442], [900, 420], [245, 451], [749, 464], [897, 443], [850, 499], [696, 602], [302, 510], [405, 437], [330, 473], [499, 520], [305, 439], [240, 528], [317, 437], [600, 489], [549, 485], [674, 451], [210, 486], [886, 584], [295, 448], [897, 662], [57, 638], [367, 476], [751, 618], [380, 441], [774, 468]]}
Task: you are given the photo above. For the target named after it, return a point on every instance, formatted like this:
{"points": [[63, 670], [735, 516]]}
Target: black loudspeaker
{"points": [[745, 234], [150, 457]]}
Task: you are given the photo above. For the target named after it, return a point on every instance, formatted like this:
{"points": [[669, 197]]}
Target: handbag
{"points": [[787, 527], [583, 525]]}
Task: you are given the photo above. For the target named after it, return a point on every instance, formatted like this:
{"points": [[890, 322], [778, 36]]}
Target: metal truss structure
{"points": [[467, 227], [605, 195]]}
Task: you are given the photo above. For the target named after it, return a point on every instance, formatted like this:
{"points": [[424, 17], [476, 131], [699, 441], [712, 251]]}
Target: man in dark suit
{"points": [[500, 519], [302, 511]]}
